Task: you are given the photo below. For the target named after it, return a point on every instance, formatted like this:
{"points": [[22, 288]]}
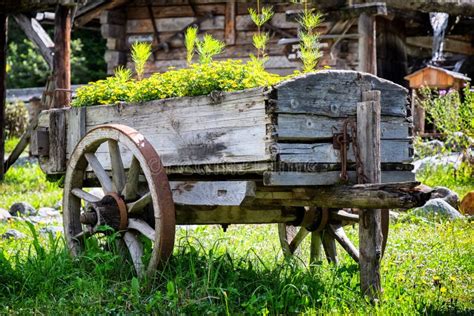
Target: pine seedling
{"points": [[260, 39], [190, 38], [309, 38], [208, 48], [140, 54], [122, 74]]}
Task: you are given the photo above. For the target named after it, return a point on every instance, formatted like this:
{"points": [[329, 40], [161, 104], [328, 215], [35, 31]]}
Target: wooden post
{"points": [[61, 59], [370, 230], [3, 78], [367, 44], [229, 32]]}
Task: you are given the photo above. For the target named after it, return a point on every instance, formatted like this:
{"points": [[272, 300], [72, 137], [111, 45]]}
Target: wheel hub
{"points": [[111, 210]]}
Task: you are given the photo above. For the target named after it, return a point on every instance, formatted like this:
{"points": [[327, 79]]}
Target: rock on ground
{"points": [[437, 208], [4, 215], [22, 208], [51, 230], [48, 212], [13, 233]]}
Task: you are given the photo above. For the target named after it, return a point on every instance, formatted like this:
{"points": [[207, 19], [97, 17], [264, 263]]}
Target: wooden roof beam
{"points": [[35, 33]]}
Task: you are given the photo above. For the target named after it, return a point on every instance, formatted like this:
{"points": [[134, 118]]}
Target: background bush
{"points": [[16, 119]]}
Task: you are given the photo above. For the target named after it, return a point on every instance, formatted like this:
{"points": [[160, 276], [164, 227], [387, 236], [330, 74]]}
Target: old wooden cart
{"points": [[281, 155]]}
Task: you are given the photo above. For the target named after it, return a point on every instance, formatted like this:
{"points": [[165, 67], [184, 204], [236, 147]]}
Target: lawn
{"points": [[427, 269]]}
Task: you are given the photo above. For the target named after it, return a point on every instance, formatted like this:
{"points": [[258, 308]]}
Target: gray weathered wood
{"points": [[35, 32], [370, 230], [137, 206], [315, 248], [393, 151], [135, 247], [76, 126], [230, 193], [335, 93], [118, 170], [303, 127], [86, 196], [100, 172], [367, 43], [57, 141], [338, 233], [327, 177], [142, 227], [329, 244]]}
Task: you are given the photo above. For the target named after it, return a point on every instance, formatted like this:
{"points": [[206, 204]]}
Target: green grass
{"points": [[427, 269], [10, 144]]}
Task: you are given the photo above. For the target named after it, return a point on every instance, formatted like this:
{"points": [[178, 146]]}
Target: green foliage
{"points": [[199, 79], [10, 143], [190, 42], [309, 39], [450, 115], [208, 47], [16, 119], [27, 68], [141, 51], [260, 39]]}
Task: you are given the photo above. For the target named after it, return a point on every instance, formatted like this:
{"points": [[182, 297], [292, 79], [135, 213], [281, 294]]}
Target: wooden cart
{"points": [[289, 154]]}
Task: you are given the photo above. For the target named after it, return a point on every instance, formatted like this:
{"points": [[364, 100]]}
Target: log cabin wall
{"points": [[228, 21]]}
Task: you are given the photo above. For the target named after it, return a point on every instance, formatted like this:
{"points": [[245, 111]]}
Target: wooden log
{"points": [[3, 79], [35, 33], [327, 177], [367, 44], [386, 195], [370, 230], [62, 57]]}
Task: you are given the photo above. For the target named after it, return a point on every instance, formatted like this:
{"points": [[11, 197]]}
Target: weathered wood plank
{"points": [[76, 126], [230, 193], [393, 151], [370, 220], [230, 34], [335, 93], [327, 178], [57, 140], [62, 57], [173, 24], [216, 133], [303, 127]]}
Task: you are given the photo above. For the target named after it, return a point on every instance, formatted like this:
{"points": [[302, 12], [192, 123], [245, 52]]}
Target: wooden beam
{"points": [[35, 33], [94, 10], [229, 29], [450, 45], [370, 230], [3, 79], [62, 57], [367, 44]]}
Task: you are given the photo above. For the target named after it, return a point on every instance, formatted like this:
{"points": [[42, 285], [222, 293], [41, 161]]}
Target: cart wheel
{"points": [[326, 226], [136, 213]]}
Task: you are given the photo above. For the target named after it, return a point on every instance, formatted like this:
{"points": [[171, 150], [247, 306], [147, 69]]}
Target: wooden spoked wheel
{"points": [[136, 210], [326, 227]]}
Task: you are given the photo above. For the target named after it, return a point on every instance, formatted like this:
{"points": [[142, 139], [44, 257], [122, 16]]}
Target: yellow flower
{"points": [[436, 278], [443, 289], [453, 279]]}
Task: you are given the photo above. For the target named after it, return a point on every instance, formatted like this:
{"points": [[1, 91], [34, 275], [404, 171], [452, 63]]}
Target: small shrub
{"points": [[190, 42], [309, 38], [208, 48], [16, 119], [260, 39], [140, 54]]}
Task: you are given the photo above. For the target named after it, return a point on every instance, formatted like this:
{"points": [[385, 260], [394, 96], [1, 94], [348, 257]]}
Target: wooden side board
{"points": [[335, 93]]}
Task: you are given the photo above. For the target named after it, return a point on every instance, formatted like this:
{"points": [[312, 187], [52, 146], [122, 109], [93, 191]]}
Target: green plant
{"points": [[16, 119], [208, 47], [260, 39], [190, 38], [141, 51], [309, 38], [450, 115]]}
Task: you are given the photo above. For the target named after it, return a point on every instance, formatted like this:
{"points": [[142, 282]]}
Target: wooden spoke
{"points": [[140, 204], [118, 171], [135, 247], [142, 227], [344, 216], [131, 187], [329, 244], [82, 234], [340, 235], [283, 231], [86, 196], [100, 172], [315, 251], [300, 236]]}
